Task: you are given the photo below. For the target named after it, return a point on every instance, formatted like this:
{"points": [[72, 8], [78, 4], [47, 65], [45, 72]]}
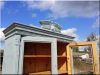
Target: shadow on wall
{"points": [[1, 60]]}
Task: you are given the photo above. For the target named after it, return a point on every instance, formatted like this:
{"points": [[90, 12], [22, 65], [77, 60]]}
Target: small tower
{"points": [[49, 25]]}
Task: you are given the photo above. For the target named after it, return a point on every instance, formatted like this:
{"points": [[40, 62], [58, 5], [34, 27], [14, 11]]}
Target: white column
{"points": [[54, 67], [20, 70]]}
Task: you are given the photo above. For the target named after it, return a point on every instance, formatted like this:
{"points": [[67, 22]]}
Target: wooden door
{"points": [[94, 56]]}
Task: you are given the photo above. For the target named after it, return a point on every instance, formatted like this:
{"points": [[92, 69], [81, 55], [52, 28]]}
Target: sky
{"points": [[77, 18]]}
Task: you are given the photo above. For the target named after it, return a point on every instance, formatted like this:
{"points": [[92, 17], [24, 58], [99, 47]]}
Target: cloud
{"points": [[34, 15], [76, 8], [41, 5], [1, 4], [71, 32], [97, 23], [61, 9], [2, 37]]}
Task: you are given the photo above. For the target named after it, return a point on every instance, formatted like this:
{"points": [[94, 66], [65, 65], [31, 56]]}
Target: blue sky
{"points": [[77, 18]]}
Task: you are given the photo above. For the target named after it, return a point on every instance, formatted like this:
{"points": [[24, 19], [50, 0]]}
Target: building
{"points": [[49, 25], [32, 50]]}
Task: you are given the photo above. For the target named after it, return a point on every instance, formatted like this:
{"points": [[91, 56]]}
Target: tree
{"points": [[92, 37], [76, 49]]}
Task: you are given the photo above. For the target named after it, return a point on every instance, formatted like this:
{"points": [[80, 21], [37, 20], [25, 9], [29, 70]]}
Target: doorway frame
{"points": [[53, 41], [94, 52]]}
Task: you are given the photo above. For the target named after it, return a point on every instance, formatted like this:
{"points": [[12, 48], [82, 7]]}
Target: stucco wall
{"points": [[11, 55]]}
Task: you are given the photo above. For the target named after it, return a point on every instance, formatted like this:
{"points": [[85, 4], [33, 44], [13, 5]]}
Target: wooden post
{"points": [[69, 58], [95, 59]]}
